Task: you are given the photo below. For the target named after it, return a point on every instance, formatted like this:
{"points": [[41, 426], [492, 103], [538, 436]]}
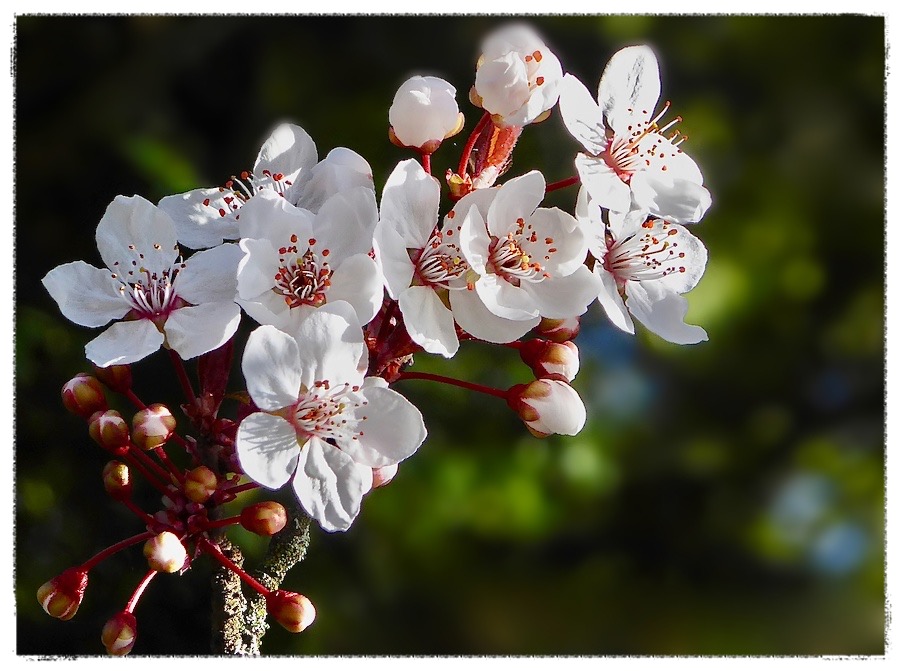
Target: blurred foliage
{"points": [[725, 498]]}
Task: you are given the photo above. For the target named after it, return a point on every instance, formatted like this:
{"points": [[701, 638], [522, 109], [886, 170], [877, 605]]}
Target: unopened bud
{"points": [[292, 611], [199, 484], [119, 634], [424, 112], [109, 430], [83, 395], [382, 476], [550, 359], [61, 596], [165, 553], [266, 518], [558, 330], [152, 426], [117, 480], [548, 406], [117, 378]]}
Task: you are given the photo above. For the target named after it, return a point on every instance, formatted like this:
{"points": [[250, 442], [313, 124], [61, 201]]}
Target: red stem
{"points": [[173, 469], [149, 519], [226, 522], [139, 454], [113, 549], [130, 457], [214, 550], [449, 380], [131, 396], [563, 183], [182, 375], [142, 585], [467, 150], [426, 162], [242, 488]]}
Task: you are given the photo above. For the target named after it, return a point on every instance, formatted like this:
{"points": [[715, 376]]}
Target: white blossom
{"points": [[321, 424], [628, 159], [644, 264], [188, 305], [424, 113], [518, 77]]}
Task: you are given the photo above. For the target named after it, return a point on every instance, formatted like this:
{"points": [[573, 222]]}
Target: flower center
{"points": [[150, 294], [328, 413], [650, 255], [641, 148], [238, 190], [302, 279], [440, 263], [508, 259]]}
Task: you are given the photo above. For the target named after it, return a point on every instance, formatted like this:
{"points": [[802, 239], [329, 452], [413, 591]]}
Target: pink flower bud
{"points": [[165, 553], [382, 476], [61, 596], [117, 378], [548, 406], [117, 480], [558, 330], [199, 484], [83, 395], [550, 359], [109, 430], [119, 634], [424, 113], [266, 518], [292, 611], [152, 426]]}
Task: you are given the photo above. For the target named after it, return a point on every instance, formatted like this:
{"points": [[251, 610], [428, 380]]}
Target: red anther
{"points": [[206, 202], [278, 176]]}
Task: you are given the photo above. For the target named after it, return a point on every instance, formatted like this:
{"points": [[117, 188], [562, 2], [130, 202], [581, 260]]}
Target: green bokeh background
{"points": [[725, 498]]}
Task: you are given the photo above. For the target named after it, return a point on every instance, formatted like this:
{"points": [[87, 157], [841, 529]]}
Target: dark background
{"points": [[725, 498]]}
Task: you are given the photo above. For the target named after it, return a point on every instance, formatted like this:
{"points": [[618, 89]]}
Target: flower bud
{"points": [[83, 395], [548, 406], [518, 77], [117, 378], [199, 484], [266, 518], [61, 596], [382, 476], [424, 113], [109, 430], [152, 426], [292, 611], [558, 330], [119, 634], [165, 553], [117, 480], [550, 359]]}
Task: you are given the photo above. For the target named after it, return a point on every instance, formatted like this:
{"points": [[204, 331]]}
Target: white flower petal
{"points": [[474, 241], [330, 485], [134, 233], [341, 170], [270, 308], [390, 428], [603, 184], [582, 116], [564, 297], [558, 244], [86, 295], [662, 312], [428, 321], [359, 282], [612, 302], [677, 200], [392, 254], [345, 224], [409, 203], [202, 217], [210, 276], [267, 449], [474, 318], [271, 367], [505, 300], [195, 330], [289, 150], [124, 342], [332, 345], [256, 269], [424, 110], [271, 217], [516, 199], [629, 86]]}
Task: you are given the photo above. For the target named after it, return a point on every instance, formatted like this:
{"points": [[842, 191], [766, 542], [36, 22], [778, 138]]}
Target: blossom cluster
{"points": [[346, 284]]}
